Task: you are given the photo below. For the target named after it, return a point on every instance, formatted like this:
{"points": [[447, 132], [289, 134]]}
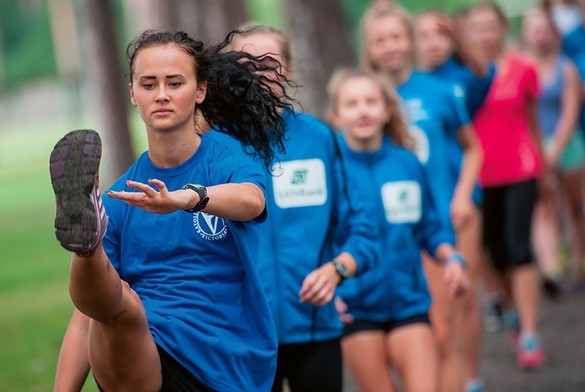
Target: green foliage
{"points": [[26, 41], [268, 12]]}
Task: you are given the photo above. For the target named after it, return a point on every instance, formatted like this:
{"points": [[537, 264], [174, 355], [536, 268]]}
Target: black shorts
{"points": [[310, 367], [387, 326], [507, 219], [175, 377]]}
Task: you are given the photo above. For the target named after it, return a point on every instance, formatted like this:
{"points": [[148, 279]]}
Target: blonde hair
{"points": [[251, 28], [380, 9], [397, 128]]}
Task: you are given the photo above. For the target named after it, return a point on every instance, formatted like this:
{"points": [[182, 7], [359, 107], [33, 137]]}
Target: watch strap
{"points": [[203, 198]]}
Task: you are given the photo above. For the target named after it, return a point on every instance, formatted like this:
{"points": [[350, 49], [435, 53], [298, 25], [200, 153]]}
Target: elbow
{"points": [[256, 207], [254, 204]]}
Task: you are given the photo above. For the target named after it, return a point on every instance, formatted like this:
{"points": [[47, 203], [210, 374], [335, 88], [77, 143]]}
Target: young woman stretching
{"points": [[168, 299]]}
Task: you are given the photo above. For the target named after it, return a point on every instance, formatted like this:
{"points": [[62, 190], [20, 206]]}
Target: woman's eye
{"points": [[148, 86], [174, 84]]}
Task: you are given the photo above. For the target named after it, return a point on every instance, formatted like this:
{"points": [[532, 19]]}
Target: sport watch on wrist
{"points": [[341, 270], [203, 198]]}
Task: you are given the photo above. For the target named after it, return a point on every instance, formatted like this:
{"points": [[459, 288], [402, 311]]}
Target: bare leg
{"points": [[413, 352], [122, 352], [468, 322], [573, 185], [545, 238], [364, 354], [442, 315], [526, 294]]}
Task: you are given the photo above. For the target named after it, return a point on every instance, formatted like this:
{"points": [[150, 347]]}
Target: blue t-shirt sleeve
{"points": [[354, 229], [455, 112], [430, 230], [477, 90]]}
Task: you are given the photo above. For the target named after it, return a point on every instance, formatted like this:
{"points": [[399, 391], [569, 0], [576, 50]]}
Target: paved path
{"points": [[563, 331]]}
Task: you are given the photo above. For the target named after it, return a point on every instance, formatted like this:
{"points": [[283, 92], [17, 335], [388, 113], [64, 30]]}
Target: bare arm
{"points": [[233, 201], [73, 365], [470, 166], [570, 108], [534, 126]]}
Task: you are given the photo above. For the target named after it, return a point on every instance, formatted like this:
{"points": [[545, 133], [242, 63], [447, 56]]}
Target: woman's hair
{"points": [[239, 99], [378, 10], [490, 6], [397, 128], [546, 15], [251, 28]]}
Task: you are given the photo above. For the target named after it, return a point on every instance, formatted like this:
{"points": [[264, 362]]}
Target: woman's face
{"points": [[262, 44], [388, 45], [164, 87], [360, 109], [486, 30], [433, 46], [537, 32]]}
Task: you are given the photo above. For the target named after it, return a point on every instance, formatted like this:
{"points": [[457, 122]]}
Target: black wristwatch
{"points": [[203, 198], [341, 270]]}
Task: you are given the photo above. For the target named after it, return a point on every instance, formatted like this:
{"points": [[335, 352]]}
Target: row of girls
{"points": [[412, 153], [378, 224]]}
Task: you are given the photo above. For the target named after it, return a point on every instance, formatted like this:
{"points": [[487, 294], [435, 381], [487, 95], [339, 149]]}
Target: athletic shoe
{"points": [[492, 315], [530, 353], [552, 288], [511, 321], [474, 386], [80, 221]]}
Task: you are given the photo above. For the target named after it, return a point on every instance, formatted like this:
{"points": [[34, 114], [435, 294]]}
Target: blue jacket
{"points": [[398, 192], [314, 213]]}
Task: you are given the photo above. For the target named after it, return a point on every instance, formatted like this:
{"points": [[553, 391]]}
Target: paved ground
{"points": [[563, 331]]}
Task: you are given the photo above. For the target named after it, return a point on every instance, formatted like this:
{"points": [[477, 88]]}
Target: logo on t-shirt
{"points": [[402, 201], [300, 183], [209, 227]]}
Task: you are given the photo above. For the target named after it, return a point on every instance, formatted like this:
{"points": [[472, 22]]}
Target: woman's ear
{"points": [[132, 98], [201, 92]]}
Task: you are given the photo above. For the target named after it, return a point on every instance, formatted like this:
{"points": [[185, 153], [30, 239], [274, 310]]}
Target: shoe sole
{"points": [[74, 165]]}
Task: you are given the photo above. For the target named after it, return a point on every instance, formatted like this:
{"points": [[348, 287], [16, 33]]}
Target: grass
{"points": [[34, 302]]}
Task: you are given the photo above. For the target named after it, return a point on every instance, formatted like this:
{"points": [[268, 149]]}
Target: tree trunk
{"points": [[151, 15], [107, 88], [319, 34], [215, 18]]}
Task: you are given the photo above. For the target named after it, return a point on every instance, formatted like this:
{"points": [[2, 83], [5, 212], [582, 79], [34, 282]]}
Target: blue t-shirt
{"points": [[549, 101], [435, 114], [403, 208], [472, 90], [196, 275], [574, 48], [315, 211], [574, 42]]}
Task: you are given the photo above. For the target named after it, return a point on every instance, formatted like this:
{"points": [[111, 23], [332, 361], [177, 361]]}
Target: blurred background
{"points": [[62, 67]]}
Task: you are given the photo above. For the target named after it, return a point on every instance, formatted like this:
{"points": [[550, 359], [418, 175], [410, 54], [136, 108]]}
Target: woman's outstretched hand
{"points": [[154, 197]]}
